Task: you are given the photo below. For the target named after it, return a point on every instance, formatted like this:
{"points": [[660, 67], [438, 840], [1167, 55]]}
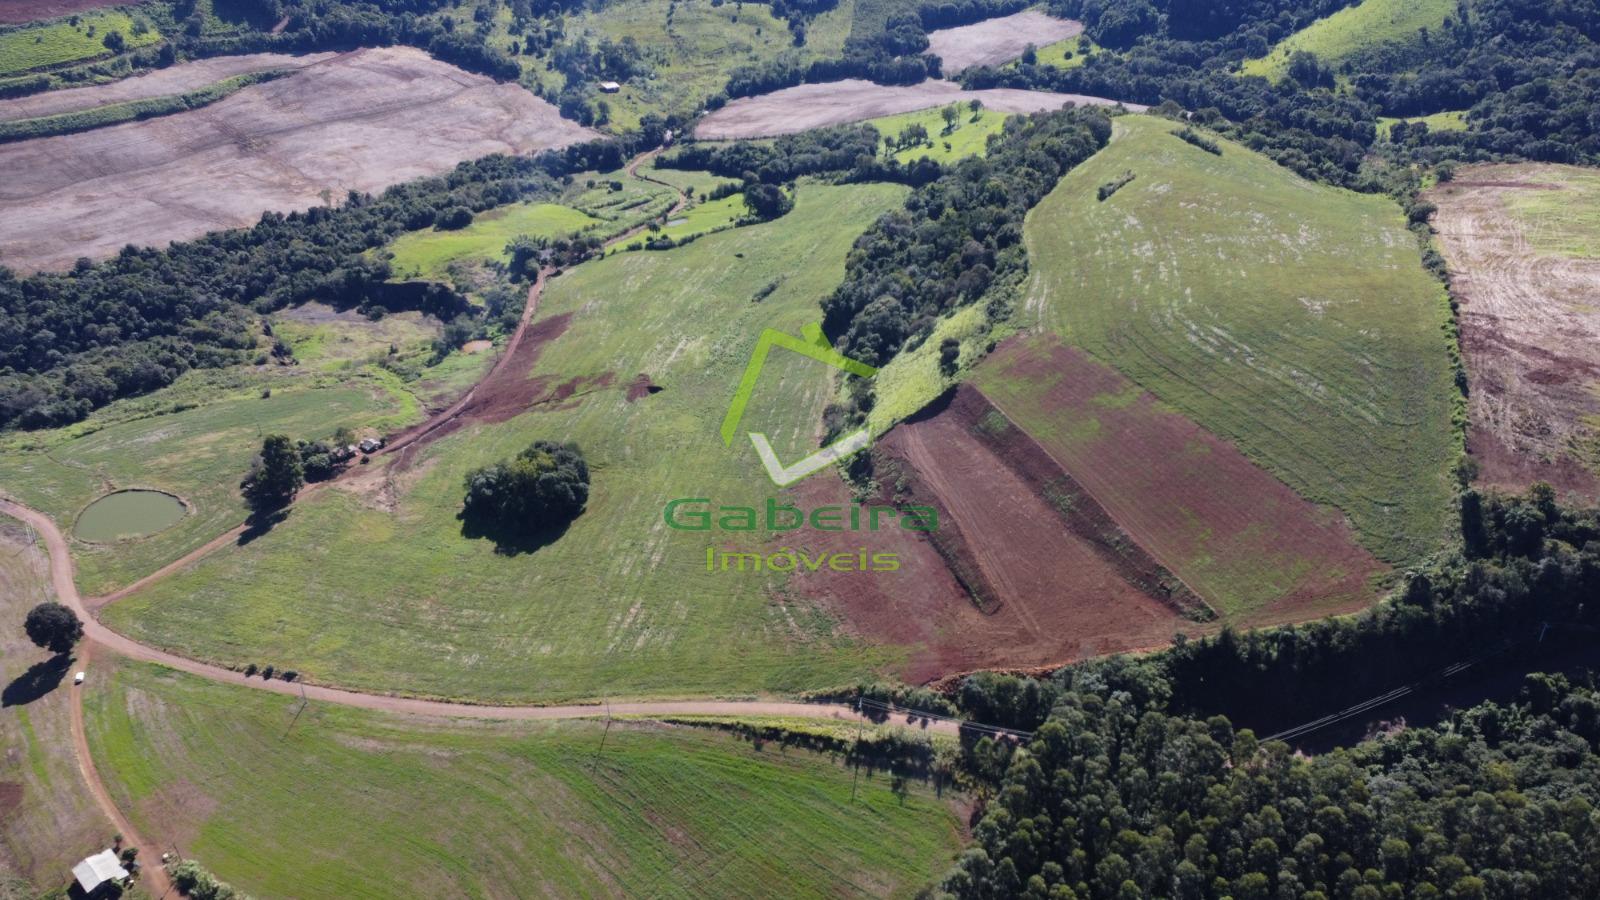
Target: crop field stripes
{"points": [[1292, 319], [1222, 526]]}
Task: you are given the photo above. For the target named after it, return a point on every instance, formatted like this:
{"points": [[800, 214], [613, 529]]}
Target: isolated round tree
{"points": [[53, 627], [275, 475], [546, 484]]}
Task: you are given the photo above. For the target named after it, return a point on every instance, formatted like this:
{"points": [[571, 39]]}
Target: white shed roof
{"points": [[98, 869]]}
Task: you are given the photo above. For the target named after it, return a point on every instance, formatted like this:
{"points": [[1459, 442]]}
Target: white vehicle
{"points": [[78, 678]]}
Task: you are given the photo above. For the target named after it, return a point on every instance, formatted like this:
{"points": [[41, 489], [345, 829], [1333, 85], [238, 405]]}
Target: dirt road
{"points": [[66, 590], [99, 639]]}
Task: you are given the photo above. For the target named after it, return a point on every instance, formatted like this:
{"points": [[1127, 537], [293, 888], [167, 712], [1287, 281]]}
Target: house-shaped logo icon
{"points": [[815, 346]]}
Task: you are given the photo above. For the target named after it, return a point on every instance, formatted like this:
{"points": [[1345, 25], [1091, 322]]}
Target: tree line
{"points": [[955, 235], [1524, 70], [71, 342], [1137, 782]]}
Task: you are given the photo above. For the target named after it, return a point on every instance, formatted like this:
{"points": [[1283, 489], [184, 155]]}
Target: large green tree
{"points": [[544, 486], [53, 627], [275, 474]]}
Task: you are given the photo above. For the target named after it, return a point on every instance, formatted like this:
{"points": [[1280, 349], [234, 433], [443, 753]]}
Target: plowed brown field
{"points": [[1530, 327], [14, 12], [361, 121], [1049, 595], [177, 79], [998, 40], [797, 109], [1254, 549]]}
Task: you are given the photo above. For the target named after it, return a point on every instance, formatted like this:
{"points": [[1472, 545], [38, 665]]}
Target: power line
{"points": [[1370, 703], [980, 727]]}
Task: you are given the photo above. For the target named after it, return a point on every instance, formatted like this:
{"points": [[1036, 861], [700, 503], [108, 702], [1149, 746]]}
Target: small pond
{"points": [[128, 514]]}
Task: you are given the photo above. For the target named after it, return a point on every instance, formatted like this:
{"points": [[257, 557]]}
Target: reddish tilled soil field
{"points": [[1530, 333], [1049, 596], [797, 109], [999, 40], [1256, 551], [360, 121]]}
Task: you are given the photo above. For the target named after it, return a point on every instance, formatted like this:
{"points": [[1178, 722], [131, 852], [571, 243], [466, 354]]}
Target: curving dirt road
{"points": [[99, 638]]}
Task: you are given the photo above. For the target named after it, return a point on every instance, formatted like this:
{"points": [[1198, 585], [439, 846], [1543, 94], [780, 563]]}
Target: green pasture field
{"points": [[706, 216], [344, 342], [703, 182], [347, 591], [1449, 120], [194, 439], [1070, 53], [690, 54], [428, 253], [968, 139], [1349, 31], [59, 41], [1565, 222], [55, 821], [330, 341], [1292, 319], [340, 802]]}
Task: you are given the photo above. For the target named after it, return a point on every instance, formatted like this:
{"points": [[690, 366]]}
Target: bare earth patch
{"points": [[1530, 332], [360, 121], [1050, 592], [178, 79], [15, 12], [808, 106], [995, 41]]}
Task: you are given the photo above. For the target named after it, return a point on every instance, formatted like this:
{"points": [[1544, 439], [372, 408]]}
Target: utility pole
{"points": [[861, 722], [607, 732], [304, 700]]}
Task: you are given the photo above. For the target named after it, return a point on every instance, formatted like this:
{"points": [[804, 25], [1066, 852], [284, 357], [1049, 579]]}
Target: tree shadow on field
{"points": [[40, 679], [510, 540], [262, 522]]}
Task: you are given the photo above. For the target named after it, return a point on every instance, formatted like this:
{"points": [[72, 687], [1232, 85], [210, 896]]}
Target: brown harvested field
{"points": [[1529, 317], [15, 12], [360, 121], [178, 79], [808, 106], [1000, 40], [1253, 548], [1050, 595]]}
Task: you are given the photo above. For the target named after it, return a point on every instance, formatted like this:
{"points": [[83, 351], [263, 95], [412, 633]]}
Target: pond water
{"points": [[128, 514]]}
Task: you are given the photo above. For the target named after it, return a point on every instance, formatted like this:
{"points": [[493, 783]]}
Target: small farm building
{"points": [[99, 870]]}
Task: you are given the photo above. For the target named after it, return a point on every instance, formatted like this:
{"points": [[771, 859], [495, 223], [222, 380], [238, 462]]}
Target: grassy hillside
{"points": [[968, 138], [1070, 53], [380, 589], [61, 41], [48, 820], [1351, 30], [194, 439], [1449, 120], [1292, 319], [428, 253], [691, 48], [347, 803], [1564, 222]]}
